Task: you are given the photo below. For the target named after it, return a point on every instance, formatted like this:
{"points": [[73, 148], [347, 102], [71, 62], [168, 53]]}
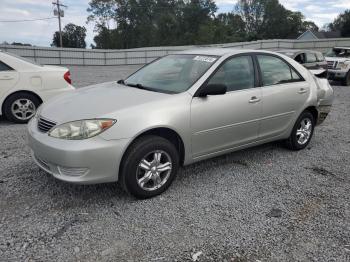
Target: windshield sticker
{"points": [[207, 59]]}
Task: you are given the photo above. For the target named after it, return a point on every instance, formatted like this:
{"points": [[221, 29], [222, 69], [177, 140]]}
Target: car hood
{"points": [[102, 100]]}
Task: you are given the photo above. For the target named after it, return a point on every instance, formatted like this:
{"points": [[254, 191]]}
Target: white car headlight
{"points": [[342, 65], [81, 129]]}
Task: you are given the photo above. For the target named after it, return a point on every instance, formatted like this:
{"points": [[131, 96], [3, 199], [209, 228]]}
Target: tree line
{"points": [[121, 24]]}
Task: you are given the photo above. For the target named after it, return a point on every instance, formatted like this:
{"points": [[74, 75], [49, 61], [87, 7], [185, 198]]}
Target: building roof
{"points": [[322, 34]]}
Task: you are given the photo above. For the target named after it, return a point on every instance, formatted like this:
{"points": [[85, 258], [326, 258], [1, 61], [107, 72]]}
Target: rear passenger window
{"points": [[310, 58], [4, 67], [320, 57], [275, 71], [236, 73]]}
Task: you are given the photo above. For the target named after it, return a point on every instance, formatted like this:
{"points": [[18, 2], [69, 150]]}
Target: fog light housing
{"points": [[72, 171]]}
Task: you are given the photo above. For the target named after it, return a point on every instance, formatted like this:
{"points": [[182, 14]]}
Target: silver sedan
{"points": [[177, 110]]}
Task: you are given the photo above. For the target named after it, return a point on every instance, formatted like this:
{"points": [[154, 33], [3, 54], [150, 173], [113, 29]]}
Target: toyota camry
{"points": [[179, 109]]}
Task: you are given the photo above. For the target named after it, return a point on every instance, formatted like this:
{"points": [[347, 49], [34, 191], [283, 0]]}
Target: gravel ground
{"points": [[261, 204]]}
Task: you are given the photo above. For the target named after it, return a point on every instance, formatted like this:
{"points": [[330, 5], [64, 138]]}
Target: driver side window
{"points": [[236, 73]]}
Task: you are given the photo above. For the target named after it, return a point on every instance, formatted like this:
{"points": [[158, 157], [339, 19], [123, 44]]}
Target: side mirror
{"points": [[212, 90]]}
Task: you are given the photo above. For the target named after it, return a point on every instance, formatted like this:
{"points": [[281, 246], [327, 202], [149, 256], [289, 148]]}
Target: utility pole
{"points": [[59, 14]]}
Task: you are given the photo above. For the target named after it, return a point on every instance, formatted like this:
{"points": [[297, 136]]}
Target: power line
{"points": [[26, 20]]}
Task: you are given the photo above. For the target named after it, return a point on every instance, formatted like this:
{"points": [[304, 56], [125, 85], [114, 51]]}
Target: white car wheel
{"points": [[21, 107]]}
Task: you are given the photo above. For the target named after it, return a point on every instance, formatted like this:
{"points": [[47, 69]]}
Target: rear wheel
{"points": [[21, 107], [346, 81], [149, 167], [302, 132]]}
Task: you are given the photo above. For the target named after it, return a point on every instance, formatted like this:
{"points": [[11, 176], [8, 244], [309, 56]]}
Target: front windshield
{"points": [[338, 52], [172, 73]]}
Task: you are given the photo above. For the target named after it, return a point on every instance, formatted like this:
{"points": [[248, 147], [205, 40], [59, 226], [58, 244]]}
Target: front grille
{"points": [[332, 64], [45, 125]]}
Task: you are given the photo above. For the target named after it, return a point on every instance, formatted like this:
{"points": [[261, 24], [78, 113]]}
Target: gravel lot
{"points": [[260, 204]]}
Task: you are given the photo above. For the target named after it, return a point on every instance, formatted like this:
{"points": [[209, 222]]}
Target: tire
{"points": [[13, 110], [140, 173], [346, 81], [296, 141]]}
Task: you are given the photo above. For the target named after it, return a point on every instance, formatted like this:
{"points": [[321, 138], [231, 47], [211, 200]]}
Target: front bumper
{"points": [[89, 161], [336, 74]]}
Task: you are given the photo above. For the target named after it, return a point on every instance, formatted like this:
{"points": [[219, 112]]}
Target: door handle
{"points": [[6, 78], [302, 91], [254, 99]]}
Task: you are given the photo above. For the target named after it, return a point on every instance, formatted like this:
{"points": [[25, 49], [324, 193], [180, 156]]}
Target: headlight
{"points": [[342, 65], [81, 129]]}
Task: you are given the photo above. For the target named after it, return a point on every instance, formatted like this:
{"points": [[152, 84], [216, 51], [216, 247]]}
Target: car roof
{"points": [[340, 47], [295, 51], [219, 51]]}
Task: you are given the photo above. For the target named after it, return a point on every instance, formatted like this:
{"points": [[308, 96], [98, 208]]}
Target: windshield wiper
{"points": [[139, 86]]}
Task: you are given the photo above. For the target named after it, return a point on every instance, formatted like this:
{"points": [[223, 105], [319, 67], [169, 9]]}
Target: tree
{"points": [[266, 19], [141, 23], [309, 25], [150, 22], [342, 24], [72, 36]]}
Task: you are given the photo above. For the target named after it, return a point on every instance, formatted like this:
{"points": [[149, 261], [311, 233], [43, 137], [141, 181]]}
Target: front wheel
{"points": [[149, 167], [302, 132]]}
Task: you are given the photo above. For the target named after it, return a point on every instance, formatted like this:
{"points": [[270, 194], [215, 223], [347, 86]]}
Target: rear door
{"points": [[8, 78], [284, 93], [222, 122]]}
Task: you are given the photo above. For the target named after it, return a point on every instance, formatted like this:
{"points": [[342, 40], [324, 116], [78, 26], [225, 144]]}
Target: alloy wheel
{"points": [[154, 170], [23, 109], [304, 131]]}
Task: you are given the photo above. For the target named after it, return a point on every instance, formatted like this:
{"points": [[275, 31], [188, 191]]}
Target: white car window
{"points": [[310, 58], [4, 67]]}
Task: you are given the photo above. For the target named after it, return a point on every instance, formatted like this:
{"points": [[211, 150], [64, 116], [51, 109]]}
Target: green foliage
{"points": [[141, 23], [72, 36], [342, 24]]}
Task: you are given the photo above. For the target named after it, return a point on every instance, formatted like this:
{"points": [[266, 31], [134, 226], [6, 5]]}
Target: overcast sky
{"points": [[40, 32]]}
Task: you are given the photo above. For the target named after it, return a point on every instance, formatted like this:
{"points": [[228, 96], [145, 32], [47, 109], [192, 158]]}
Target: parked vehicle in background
{"points": [[312, 60], [24, 85], [338, 60], [182, 108]]}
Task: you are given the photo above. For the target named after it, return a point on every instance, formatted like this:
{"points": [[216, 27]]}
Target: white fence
{"points": [[76, 56]]}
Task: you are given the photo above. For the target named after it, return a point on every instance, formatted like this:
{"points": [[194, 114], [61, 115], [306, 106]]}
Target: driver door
{"points": [[223, 122]]}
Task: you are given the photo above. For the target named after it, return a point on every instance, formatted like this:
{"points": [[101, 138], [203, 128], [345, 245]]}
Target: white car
{"points": [[338, 60], [24, 85]]}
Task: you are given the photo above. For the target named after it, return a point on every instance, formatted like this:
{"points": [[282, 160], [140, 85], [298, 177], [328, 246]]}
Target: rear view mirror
{"points": [[212, 90]]}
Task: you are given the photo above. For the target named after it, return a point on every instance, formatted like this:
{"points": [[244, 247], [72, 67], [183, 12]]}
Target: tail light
{"points": [[66, 77]]}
